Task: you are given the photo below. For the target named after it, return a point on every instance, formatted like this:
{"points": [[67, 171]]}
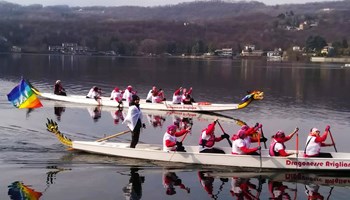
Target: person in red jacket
{"points": [[277, 146], [170, 142], [208, 139]]}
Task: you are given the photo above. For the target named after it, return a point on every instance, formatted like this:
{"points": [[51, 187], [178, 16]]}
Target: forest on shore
{"points": [[187, 28]]}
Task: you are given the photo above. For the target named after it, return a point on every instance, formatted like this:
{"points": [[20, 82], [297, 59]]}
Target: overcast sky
{"points": [[135, 2]]}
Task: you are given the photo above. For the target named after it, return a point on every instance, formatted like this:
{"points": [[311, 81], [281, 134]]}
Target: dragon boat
{"points": [[296, 161], [165, 105]]}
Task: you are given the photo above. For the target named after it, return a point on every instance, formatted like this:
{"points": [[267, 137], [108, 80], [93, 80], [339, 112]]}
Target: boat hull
{"points": [[166, 105], [339, 162]]}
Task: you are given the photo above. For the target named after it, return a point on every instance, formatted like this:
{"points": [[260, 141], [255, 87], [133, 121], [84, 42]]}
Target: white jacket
{"points": [[132, 116]]}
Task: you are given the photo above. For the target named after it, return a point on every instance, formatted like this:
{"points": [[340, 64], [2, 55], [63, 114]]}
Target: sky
{"points": [[84, 3]]}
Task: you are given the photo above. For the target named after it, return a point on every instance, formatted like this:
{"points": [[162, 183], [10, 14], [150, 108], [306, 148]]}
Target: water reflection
{"points": [[170, 181], [279, 190], [118, 116], [20, 191], [155, 120], [58, 112], [133, 190], [95, 112], [242, 188], [180, 182], [207, 183]]}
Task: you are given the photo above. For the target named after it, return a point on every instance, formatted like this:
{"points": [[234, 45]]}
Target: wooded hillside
{"points": [[191, 28]]}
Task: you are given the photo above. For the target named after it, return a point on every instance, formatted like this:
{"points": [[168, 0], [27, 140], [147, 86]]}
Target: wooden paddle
{"points": [[330, 134], [112, 136], [228, 139], [262, 134], [259, 144]]}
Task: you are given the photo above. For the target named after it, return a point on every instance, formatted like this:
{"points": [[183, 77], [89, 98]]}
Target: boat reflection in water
{"points": [[179, 182]]}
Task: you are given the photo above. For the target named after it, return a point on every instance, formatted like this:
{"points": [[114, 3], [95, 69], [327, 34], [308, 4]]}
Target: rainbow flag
{"points": [[19, 191], [23, 96]]}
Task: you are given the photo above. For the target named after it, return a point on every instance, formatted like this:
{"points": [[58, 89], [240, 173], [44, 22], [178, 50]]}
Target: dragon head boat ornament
{"points": [[251, 96], [53, 128]]}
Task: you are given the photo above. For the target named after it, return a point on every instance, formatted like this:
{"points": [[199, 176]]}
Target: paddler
{"points": [[208, 139], [170, 142], [277, 146], [314, 143]]}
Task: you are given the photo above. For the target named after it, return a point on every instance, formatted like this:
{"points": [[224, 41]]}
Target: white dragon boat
{"points": [[166, 105], [339, 162]]}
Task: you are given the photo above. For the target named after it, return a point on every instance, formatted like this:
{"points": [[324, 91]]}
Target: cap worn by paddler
{"points": [[171, 128], [135, 97], [314, 130]]}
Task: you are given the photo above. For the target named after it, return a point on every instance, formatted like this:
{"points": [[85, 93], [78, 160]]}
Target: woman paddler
{"points": [[314, 143], [277, 146], [240, 145], [170, 142], [208, 139]]}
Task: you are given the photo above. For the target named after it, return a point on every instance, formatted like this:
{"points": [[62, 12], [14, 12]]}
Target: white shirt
{"points": [[92, 94], [132, 116], [177, 99], [172, 138], [116, 95], [236, 146], [149, 95], [127, 96], [313, 148]]}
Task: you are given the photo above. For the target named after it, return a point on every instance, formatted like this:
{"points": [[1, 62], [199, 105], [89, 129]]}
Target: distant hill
{"points": [[183, 28]]}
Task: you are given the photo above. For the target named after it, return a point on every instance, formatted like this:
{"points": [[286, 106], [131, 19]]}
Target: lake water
{"points": [[296, 95]]}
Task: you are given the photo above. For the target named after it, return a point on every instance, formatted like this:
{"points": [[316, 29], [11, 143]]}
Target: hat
{"points": [[241, 133], [116, 89], [129, 87], [314, 130], [280, 134], [135, 97], [244, 127], [211, 128], [171, 128], [58, 81]]}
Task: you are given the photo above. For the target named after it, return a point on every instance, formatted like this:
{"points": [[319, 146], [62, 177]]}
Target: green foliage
{"points": [[315, 43]]}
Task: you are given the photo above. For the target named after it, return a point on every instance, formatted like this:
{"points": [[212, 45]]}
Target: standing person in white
{"points": [[134, 120]]}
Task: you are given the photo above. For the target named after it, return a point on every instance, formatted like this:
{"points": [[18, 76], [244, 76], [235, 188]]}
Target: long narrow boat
{"points": [[339, 162], [166, 105]]}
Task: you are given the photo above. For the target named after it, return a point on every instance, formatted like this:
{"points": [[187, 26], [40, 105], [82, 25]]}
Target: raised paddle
{"points": [[330, 134], [228, 139], [112, 136]]}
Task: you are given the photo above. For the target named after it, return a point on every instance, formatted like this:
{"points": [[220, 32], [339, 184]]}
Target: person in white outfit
{"points": [[134, 120], [127, 95]]}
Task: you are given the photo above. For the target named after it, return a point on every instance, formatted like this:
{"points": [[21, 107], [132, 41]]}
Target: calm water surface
{"points": [[296, 95]]}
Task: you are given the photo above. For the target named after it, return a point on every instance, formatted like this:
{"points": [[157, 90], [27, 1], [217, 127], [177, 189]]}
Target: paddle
{"points": [[330, 134], [297, 143], [112, 136], [259, 144], [182, 148], [262, 134], [228, 139]]}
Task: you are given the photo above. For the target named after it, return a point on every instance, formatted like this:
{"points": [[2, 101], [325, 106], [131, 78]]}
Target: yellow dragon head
{"points": [[53, 128], [252, 95]]}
